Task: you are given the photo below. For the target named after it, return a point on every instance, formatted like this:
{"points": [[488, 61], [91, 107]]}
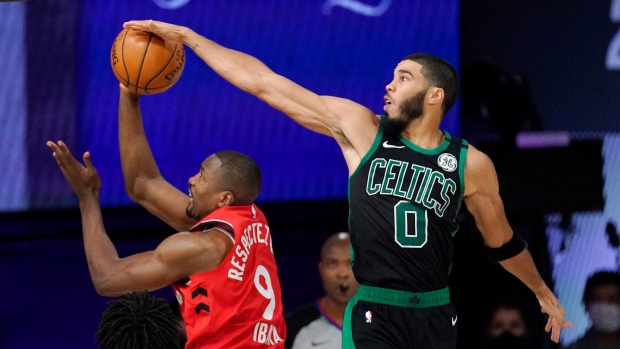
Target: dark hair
{"points": [[241, 175], [508, 304], [600, 278], [138, 320], [440, 73]]}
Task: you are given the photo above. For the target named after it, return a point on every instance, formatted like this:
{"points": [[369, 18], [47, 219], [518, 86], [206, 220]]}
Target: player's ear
{"points": [[226, 199], [435, 95]]}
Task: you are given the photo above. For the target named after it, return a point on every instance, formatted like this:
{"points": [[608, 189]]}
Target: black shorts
{"points": [[392, 319]]}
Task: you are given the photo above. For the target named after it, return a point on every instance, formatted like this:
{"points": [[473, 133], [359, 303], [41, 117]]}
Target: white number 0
{"points": [[613, 51], [266, 292]]}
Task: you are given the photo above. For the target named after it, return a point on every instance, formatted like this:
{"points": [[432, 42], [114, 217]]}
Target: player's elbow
{"points": [[136, 189], [134, 195], [255, 84], [103, 287], [104, 292]]}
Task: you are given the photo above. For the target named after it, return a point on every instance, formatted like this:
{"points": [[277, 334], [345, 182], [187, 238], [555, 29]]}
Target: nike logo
{"points": [[314, 344], [386, 145], [454, 320]]}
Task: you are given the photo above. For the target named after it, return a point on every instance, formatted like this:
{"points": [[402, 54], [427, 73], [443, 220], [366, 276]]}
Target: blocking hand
{"points": [[550, 305], [83, 180], [169, 32]]}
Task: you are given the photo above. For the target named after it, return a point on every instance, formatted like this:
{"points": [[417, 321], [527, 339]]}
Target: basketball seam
{"points": [[162, 69], [123, 55], [142, 63]]}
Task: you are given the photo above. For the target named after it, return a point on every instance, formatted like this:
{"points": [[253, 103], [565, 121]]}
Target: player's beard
{"points": [[188, 212], [411, 109]]}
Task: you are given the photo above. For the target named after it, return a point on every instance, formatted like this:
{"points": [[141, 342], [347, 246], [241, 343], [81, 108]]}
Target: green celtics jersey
{"points": [[403, 206]]}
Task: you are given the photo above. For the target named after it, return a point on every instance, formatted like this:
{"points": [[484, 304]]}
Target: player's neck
{"points": [[332, 309], [423, 136], [424, 131]]}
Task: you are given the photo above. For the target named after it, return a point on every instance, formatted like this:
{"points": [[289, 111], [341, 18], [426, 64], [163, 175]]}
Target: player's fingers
{"points": [[89, 162], [57, 160], [55, 151], [555, 331], [65, 156], [64, 147], [53, 146], [152, 25], [61, 153], [134, 24], [565, 323], [548, 325]]}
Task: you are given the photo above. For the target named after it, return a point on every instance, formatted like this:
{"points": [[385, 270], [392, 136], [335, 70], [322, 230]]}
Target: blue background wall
{"points": [[57, 84]]}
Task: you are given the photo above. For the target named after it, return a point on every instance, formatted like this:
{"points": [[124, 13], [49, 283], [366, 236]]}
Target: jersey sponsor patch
{"points": [[447, 162]]}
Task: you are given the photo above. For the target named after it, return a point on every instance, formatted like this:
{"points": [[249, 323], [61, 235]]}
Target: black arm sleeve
{"points": [[509, 249]]}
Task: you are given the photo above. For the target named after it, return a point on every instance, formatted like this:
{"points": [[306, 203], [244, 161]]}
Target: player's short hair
{"points": [[440, 73], [597, 279], [138, 320], [240, 175]]}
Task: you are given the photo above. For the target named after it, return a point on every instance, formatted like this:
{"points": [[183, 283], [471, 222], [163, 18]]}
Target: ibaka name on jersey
{"points": [[255, 233]]}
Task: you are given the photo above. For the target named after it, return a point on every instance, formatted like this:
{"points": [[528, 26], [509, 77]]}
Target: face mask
{"points": [[605, 316], [507, 340]]}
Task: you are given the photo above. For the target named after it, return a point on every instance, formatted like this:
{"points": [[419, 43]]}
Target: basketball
{"points": [[145, 63]]}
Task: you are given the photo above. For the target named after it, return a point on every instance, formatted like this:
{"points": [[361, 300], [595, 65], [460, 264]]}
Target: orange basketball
{"points": [[145, 63]]}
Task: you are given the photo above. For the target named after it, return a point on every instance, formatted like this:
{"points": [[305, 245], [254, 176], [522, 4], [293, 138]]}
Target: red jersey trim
{"points": [[203, 225]]}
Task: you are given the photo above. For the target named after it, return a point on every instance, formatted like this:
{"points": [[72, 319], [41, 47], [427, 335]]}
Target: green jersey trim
{"points": [[347, 331], [403, 298], [462, 162], [373, 147], [434, 151]]}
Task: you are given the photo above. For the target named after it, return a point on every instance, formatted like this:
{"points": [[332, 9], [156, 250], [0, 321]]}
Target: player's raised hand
{"points": [[550, 305], [169, 32], [83, 180]]}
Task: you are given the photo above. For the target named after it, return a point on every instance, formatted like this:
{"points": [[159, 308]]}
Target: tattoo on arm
{"points": [[194, 46]]}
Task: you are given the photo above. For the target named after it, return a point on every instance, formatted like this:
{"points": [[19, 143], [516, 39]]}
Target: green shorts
{"points": [[390, 319]]}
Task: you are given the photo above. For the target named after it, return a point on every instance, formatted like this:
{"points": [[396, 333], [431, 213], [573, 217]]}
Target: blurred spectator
{"points": [[507, 328], [319, 324], [601, 298]]}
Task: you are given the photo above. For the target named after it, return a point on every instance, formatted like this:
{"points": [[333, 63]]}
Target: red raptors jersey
{"points": [[238, 304]]}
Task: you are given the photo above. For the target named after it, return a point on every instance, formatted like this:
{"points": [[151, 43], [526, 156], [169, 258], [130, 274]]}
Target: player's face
{"points": [[506, 320], [203, 189], [606, 293], [335, 269], [406, 93]]}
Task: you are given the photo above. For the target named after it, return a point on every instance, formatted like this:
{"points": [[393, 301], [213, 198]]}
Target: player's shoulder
{"points": [[477, 160]]}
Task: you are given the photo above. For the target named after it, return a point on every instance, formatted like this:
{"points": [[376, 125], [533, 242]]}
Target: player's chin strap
{"points": [[507, 250]]}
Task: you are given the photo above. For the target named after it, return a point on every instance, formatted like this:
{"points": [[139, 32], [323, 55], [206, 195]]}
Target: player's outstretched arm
{"points": [[175, 258], [143, 181], [483, 201], [335, 117]]}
